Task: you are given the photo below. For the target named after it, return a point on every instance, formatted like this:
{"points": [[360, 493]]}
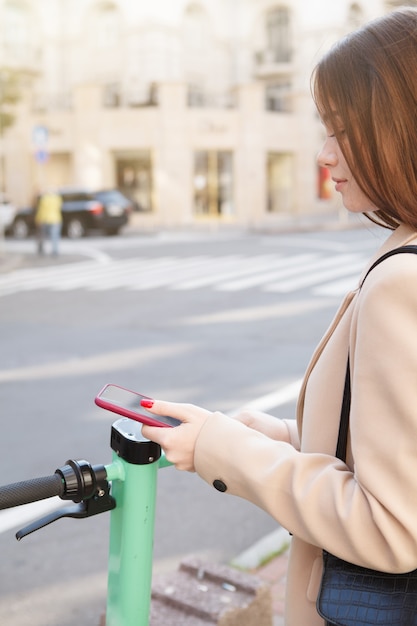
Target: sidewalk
{"points": [[10, 261]]}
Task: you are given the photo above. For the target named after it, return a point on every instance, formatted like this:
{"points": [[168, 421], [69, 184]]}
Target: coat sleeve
{"points": [[366, 514]]}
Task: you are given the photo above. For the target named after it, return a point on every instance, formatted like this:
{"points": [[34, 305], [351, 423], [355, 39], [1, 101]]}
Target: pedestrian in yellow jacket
{"points": [[48, 219]]}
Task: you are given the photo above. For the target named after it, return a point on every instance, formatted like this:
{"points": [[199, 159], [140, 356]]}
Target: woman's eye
{"points": [[339, 132]]}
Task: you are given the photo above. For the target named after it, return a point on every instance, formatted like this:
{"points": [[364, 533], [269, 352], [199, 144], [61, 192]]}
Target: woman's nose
{"points": [[327, 156]]}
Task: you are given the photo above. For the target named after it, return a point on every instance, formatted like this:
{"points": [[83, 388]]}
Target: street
{"points": [[223, 320]]}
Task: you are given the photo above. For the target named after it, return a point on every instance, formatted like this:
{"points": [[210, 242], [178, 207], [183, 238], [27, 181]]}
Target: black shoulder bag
{"points": [[351, 595]]}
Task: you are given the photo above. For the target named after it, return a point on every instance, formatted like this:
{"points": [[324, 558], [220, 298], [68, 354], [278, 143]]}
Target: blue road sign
{"points": [[40, 136], [41, 156]]}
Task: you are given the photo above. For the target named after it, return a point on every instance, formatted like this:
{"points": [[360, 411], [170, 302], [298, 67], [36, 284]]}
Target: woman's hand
{"points": [[178, 442], [268, 425]]}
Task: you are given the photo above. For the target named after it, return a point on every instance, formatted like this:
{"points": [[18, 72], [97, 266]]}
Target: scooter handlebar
{"points": [[31, 490]]}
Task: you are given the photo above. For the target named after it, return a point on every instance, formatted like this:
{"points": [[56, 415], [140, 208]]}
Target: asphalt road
{"points": [[183, 316]]}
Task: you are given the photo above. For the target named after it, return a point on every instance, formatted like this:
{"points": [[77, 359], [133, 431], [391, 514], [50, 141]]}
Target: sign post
{"points": [[40, 141]]}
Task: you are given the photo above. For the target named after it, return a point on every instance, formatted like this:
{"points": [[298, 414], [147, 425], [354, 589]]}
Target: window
{"points": [[195, 28], [278, 35], [213, 183], [107, 26], [15, 31], [18, 37], [111, 96], [195, 41], [277, 97], [141, 95], [280, 180], [355, 16], [195, 96], [134, 178]]}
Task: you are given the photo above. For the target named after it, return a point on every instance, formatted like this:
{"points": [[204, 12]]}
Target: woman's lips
{"points": [[339, 183]]}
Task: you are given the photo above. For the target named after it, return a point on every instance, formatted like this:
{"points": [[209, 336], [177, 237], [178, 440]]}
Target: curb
{"points": [[267, 559], [263, 550], [295, 224]]}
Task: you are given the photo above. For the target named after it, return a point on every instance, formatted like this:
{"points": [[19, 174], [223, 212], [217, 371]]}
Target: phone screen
{"points": [[127, 403]]}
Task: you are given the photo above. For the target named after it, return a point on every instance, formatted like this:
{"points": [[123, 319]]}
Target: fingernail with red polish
{"points": [[145, 402]]}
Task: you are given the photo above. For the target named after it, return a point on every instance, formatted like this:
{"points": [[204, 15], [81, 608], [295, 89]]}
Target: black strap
{"points": [[412, 249], [345, 410], [344, 418]]}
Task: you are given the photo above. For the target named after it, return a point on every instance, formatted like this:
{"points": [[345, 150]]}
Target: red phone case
{"points": [[139, 415]]}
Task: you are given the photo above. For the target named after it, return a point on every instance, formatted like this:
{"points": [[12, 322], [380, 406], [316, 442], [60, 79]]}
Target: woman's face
{"points": [[331, 157]]}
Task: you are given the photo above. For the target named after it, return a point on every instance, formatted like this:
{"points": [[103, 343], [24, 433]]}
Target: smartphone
{"points": [[127, 403]]}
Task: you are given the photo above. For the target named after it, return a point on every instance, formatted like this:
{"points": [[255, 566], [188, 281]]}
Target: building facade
{"points": [[199, 110]]}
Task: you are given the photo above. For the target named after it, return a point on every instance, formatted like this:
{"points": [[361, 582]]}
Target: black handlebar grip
{"points": [[31, 490]]}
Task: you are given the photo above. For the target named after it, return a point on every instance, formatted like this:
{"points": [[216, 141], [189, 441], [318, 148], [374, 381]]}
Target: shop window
{"points": [[213, 183], [280, 181], [134, 178]]}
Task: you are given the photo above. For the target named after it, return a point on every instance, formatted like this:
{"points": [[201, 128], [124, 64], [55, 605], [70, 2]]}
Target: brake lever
{"points": [[100, 502], [78, 511]]}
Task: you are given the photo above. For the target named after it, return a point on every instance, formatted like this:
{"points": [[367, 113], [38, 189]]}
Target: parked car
{"points": [[7, 212], [82, 211]]}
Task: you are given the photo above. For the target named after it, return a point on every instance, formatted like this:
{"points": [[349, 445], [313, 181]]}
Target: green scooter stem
{"points": [[134, 477]]}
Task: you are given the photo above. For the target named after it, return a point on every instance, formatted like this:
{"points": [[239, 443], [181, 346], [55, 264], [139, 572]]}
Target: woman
{"points": [[365, 510]]}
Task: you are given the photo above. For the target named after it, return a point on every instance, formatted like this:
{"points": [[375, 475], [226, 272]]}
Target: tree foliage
{"points": [[10, 82]]}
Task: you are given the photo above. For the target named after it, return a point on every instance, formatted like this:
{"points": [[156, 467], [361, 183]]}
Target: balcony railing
{"points": [[199, 98], [271, 62], [114, 97]]}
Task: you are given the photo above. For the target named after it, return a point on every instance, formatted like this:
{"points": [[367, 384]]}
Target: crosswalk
{"points": [[322, 274]]}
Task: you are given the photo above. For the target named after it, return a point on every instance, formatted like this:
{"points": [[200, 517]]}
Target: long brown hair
{"points": [[365, 88]]}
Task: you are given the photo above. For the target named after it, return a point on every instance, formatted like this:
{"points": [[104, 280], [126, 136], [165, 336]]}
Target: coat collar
{"points": [[399, 237]]}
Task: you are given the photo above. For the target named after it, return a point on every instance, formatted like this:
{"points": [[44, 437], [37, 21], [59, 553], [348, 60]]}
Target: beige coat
{"points": [[366, 511]]}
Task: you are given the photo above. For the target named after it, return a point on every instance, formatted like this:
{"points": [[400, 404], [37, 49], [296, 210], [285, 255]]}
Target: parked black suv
{"points": [[107, 210]]}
